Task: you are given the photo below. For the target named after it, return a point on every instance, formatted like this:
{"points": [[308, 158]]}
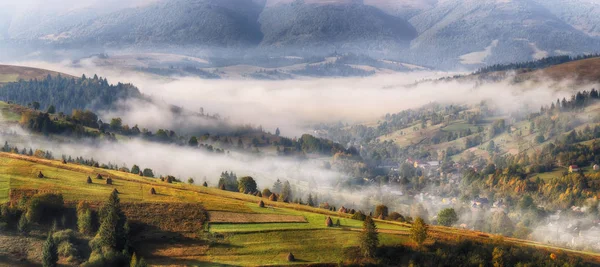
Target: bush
{"points": [[266, 192], [247, 185], [447, 217], [190, 180], [381, 211], [148, 173], [67, 250], [395, 216], [359, 216]]}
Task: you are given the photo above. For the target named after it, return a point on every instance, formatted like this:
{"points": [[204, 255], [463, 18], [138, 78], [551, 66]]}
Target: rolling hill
{"points": [[10, 73], [250, 235]]}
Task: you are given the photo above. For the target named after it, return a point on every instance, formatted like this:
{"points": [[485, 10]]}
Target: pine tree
{"points": [[369, 239], [310, 201], [50, 252], [112, 232], [23, 225]]}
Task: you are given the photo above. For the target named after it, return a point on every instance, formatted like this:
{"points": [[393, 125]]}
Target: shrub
{"points": [[266, 192], [89, 180], [447, 217], [247, 184], [261, 204], [395, 216], [381, 211], [359, 216], [67, 250], [148, 173], [190, 180], [152, 191]]}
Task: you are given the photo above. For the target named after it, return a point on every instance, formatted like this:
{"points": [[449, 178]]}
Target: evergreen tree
{"points": [[23, 225], [50, 252], [286, 192], [277, 187], [310, 201], [369, 239], [113, 231]]}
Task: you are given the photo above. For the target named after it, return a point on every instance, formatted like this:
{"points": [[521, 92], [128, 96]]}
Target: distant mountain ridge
{"points": [[446, 34]]}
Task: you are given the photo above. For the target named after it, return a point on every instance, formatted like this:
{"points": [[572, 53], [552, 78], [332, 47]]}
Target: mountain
{"points": [[474, 32], [333, 25], [445, 34], [583, 15], [219, 23]]}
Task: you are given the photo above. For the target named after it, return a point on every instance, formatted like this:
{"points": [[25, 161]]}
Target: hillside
{"points": [[580, 71], [442, 34], [492, 32], [300, 25], [10, 73], [250, 235]]}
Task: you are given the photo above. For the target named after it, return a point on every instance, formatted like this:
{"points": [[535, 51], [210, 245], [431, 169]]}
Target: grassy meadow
{"points": [[247, 234]]}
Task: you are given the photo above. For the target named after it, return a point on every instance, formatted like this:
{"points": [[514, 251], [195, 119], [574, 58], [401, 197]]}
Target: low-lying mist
{"points": [[296, 105]]}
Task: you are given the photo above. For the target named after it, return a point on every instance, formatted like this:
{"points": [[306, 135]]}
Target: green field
{"points": [[242, 243]]}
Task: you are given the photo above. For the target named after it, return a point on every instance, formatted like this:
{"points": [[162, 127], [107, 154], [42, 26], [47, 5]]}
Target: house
{"points": [[573, 168], [480, 202], [596, 167]]}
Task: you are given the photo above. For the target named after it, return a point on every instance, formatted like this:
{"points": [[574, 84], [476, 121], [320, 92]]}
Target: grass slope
{"points": [[248, 244], [9, 73]]}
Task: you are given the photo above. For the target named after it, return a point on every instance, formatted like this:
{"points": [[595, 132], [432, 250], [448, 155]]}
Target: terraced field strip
{"points": [[238, 217]]}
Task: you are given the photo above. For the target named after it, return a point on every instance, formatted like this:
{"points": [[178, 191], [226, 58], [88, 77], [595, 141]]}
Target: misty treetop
{"points": [[68, 93]]}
